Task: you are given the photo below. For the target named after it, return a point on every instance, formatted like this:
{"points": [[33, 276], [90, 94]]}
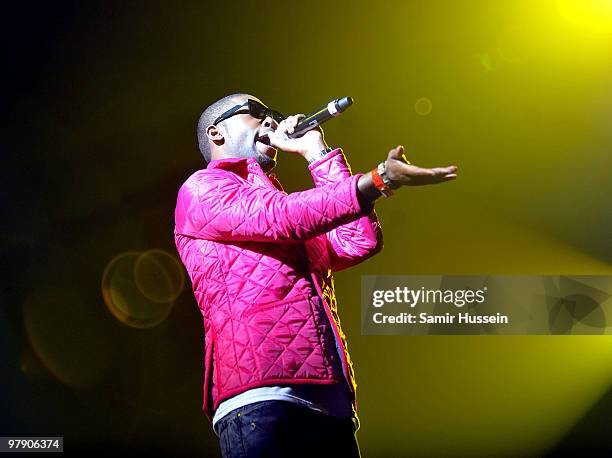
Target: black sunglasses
{"points": [[255, 109]]}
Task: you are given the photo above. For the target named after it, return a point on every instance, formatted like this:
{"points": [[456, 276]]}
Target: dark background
{"points": [[103, 100]]}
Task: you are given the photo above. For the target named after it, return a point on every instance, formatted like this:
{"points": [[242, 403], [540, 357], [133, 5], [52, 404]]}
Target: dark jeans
{"points": [[285, 429]]}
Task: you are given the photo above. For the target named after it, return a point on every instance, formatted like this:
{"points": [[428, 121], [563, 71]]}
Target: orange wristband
{"points": [[380, 184]]}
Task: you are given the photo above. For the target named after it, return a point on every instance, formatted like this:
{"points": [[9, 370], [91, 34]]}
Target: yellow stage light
{"points": [[590, 15]]}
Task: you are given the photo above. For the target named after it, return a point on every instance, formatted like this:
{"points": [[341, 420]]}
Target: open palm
{"points": [[402, 173]]}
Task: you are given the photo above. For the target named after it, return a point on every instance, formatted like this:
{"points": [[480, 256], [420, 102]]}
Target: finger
{"points": [[278, 140], [278, 135], [443, 178], [296, 121], [444, 170], [396, 153], [283, 126], [424, 175], [435, 171], [293, 123]]}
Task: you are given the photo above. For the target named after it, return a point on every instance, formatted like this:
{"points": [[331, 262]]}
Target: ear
{"points": [[215, 135]]}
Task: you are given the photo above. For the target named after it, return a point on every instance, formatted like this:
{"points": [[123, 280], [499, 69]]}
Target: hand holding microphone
{"points": [[302, 134], [309, 143]]}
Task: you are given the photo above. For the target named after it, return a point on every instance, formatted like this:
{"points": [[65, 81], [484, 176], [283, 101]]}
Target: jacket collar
{"points": [[252, 164], [221, 163]]}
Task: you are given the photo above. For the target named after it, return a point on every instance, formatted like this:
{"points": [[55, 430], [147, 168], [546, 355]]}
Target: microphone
{"points": [[316, 118]]}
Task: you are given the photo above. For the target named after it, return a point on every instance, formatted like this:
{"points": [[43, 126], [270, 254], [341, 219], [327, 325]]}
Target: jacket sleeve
{"points": [[355, 241], [219, 205]]}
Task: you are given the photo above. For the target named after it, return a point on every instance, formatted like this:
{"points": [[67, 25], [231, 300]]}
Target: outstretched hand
{"points": [[402, 173]]}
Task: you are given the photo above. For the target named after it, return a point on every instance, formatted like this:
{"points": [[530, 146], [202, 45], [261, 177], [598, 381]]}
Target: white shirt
{"points": [[331, 399]]}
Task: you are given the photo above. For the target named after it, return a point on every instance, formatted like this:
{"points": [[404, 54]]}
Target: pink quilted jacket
{"points": [[261, 263]]}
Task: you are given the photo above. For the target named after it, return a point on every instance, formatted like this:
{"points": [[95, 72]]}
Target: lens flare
{"points": [[125, 299], [159, 276], [423, 106]]}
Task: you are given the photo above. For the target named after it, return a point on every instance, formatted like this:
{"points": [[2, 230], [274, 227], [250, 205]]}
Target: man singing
{"points": [[278, 378]]}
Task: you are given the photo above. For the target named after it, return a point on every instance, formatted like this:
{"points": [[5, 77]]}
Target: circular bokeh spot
{"points": [[124, 298], [159, 276], [423, 106]]}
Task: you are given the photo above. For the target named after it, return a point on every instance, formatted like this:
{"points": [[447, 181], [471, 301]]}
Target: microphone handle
{"points": [[333, 108], [310, 122]]}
